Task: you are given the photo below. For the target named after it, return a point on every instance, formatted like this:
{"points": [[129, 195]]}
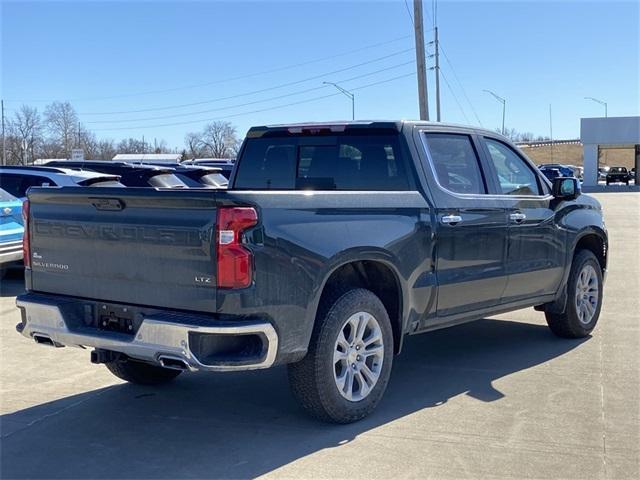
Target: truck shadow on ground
{"points": [[247, 424], [12, 282]]}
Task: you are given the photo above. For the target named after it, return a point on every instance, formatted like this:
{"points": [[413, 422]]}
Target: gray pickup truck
{"points": [[332, 243]]}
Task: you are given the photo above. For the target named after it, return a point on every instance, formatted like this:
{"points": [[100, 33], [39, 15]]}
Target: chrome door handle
{"points": [[518, 217], [451, 219]]}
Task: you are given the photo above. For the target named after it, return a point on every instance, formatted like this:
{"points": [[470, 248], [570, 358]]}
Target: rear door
{"points": [[471, 226], [535, 253]]}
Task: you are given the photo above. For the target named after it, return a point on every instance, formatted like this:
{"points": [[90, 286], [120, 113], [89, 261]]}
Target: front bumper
{"points": [[10, 252], [166, 339]]}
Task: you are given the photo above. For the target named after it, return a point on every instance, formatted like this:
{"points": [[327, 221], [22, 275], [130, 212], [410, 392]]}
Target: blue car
{"points": [[11, 229]]}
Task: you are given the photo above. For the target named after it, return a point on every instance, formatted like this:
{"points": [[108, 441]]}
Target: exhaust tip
{"points": [[43, 339], [174, 363]]}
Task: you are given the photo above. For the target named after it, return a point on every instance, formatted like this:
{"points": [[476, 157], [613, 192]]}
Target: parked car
{"points": [[18, 179], [225, 166], [602, 173], [565, 171], [550, 172], [333, 242], [199, 176], [131, 175], [618, 174], [11, 229]]}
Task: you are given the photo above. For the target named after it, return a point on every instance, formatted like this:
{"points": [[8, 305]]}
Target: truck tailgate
{"points": [[135, 246]]}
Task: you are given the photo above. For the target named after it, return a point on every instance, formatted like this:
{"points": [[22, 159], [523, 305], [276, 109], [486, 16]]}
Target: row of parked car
{"points": [[16, 180], [608, 174]]}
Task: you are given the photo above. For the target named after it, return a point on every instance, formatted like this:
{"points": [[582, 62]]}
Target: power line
{"points": [[230, 79], [464, 93], [455, 97], [409, 12], [230, 107], [275, 87], [260, 110]]}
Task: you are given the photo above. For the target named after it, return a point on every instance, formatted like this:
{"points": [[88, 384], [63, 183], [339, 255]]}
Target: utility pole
{"points": [[437, 55], [423, 98], [4, 141]]}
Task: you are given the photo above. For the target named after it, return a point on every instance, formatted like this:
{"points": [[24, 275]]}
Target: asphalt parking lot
{"points": [[497, 398]]}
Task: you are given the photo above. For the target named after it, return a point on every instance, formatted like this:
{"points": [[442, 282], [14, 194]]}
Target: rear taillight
{"points": [[26, 250], [234, 260]]}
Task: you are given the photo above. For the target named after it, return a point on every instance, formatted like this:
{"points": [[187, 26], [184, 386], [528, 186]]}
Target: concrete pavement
{"points": [[498, 398]]}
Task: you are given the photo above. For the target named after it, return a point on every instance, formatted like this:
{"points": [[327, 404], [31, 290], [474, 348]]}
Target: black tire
{"points": [[141, 373], [312, 379], [567, 324]]}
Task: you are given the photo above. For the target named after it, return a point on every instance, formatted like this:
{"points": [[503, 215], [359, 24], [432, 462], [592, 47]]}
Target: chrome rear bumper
{"points": [[155, 341]]}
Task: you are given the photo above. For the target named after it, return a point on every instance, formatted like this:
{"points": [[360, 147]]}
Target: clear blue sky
{"points": [[124, 56]]}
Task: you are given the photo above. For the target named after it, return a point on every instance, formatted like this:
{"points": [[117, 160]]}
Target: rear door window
{"points": [[349, 162], [455, 162]]}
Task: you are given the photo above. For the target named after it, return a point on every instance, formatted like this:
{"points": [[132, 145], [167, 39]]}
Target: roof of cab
{"points": [[340, 126]]}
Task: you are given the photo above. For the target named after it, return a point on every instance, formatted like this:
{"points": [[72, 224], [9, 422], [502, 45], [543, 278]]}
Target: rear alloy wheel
{"points": [[347, 367], [358, 356], [584, 298]]}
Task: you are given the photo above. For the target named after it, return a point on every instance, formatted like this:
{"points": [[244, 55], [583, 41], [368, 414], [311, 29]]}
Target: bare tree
{"points": [[219, 139], [131, 145], [193, 141], [106, 149], [61, 121], [26, 128]]}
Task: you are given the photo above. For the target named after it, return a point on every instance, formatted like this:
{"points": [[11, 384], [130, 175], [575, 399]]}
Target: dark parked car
{"points": [[550, 172], [225, 166], [333, 242], [618, 175], [131, 175], [565, 170], [198, 176], [18, 179]]}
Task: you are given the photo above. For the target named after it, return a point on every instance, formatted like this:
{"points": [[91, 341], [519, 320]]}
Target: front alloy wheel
{"points": [[587, 294]]}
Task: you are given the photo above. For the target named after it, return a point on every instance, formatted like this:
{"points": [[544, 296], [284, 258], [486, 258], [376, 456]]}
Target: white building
{"points": [[611, 132]]}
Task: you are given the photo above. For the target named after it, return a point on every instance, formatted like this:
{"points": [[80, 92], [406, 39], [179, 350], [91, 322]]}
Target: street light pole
{"points": [[348, 94], [504, 104], [600, 102]]}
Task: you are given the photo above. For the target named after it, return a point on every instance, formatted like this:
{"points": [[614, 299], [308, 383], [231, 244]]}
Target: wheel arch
{"points": [[376, 273]]}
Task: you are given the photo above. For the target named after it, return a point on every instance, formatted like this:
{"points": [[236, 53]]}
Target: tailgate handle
{"points": [[111, 204]]}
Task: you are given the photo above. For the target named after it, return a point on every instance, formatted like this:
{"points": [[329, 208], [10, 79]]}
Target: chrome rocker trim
{"points": [[154, 342]]}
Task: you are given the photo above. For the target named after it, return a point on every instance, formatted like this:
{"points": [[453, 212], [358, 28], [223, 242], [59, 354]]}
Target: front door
{"points": [[471, 226], [535, 252]]}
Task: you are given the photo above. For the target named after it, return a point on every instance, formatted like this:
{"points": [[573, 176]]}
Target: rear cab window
{"points": [[455, 162], [325, 162]]}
